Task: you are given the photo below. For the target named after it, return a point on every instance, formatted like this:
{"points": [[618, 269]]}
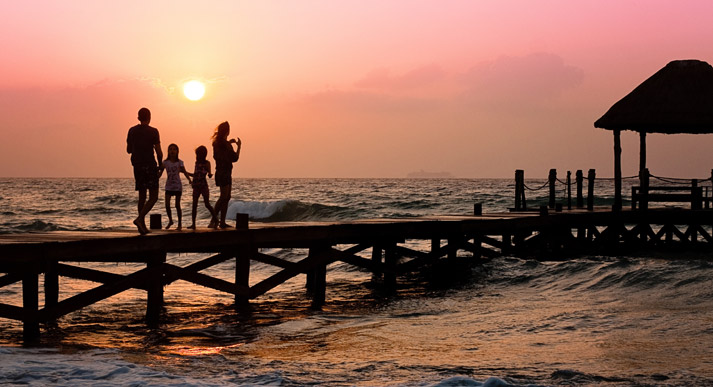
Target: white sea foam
{"points": [[41, 367], [255, 209]]}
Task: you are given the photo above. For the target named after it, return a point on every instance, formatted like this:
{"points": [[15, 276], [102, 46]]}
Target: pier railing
{"points": [[673, 190]]}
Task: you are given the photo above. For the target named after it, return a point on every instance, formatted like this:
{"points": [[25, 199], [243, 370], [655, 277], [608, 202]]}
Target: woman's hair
{"points": [[201, 153], [168, 151], [221, 131]]}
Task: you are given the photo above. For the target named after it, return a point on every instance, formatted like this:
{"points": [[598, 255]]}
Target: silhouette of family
{"points": [[143, 141]]}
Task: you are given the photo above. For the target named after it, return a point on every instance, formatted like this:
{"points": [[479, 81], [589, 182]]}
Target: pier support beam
{"points": [[30, 304], [318, 282], [51, 284], [242, 277], [390, 260], [154, 297]]}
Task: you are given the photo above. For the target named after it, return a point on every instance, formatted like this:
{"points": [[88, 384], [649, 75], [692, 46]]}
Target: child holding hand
{"points": [[174, 187]]}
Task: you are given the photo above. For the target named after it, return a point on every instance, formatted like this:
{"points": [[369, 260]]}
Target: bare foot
{"points": [[140, 226], [192, 227], [213, 223], [225, 225], [170, 223], [179, 227]]}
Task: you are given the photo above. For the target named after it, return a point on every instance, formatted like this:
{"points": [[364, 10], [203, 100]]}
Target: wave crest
{"points": [[286, 210]]}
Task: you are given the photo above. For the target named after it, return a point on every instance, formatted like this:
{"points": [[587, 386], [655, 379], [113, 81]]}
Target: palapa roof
{"points": [[677, 99]]}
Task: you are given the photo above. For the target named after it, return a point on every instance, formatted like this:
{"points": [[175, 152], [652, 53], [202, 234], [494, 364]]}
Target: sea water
{"points": [[643, 319]]}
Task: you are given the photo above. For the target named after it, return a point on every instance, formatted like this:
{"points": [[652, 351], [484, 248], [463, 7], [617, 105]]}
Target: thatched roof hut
{"points": [[676, 99]]}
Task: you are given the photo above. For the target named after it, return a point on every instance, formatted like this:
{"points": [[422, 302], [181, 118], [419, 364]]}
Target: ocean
{"points": [[638, 320]]}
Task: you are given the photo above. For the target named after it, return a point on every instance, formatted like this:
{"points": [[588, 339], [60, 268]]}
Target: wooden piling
{"points": [[569, 190], [552, 178], [591, 175], [579, 178], [154, 297], [30, 304], [319, 279], [242, 278], [520, 203], [155, 221]]}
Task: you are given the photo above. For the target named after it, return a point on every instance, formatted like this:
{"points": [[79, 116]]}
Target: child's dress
{"points": [[173, 176]]}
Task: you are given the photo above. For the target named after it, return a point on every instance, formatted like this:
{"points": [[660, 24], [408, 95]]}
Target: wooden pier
{"points": [[374, 245]]}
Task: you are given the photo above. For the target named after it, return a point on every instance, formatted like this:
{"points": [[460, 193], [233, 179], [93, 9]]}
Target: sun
{"points": [[194, 90]]}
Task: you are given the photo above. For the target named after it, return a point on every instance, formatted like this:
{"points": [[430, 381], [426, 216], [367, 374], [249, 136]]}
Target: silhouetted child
{"points": [[174, 187], [200, 186]]}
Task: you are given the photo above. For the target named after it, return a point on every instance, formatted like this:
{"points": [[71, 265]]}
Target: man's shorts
{"points": [[146, 176]]}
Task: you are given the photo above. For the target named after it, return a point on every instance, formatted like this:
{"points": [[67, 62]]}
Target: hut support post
{"points": [[552, 180], [591, 175], [154, 297], [30, 303], [617, 170], [579, 178]]}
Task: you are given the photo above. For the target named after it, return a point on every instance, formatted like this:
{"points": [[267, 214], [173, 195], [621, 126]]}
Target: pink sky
{"points": [[343, 88]]}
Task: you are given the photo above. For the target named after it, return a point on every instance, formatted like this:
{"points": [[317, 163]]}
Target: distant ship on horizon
{"points": [[423, 174]]}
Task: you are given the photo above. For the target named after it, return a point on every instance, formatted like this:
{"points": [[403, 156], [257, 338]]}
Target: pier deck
{"points": [[375, 245]]}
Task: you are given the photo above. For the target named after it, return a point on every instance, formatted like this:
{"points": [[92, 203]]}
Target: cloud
{"points": [[421, 77], [529, 79]]}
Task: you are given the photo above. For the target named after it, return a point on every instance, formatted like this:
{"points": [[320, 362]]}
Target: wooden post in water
{"points": [[377, 258], [319, 279], [520, 203], [579, 178], [696, 195], [390, 261], [591, 175], [154, 296], [51, 284], [242, 277], [552, 178], [644, 192], [30, 304], [569, 190]]}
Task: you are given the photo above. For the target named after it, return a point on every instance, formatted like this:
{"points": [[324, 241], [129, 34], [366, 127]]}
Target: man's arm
{"points": [[159, 154]]}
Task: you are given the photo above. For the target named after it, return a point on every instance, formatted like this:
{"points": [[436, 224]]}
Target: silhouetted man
{"points": [[141, 143]]}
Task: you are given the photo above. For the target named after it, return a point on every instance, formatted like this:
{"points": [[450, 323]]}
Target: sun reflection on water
{"points": [[184, 350]]}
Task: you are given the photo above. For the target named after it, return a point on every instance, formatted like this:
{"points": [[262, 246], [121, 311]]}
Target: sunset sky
{"points": [[476, 88]]}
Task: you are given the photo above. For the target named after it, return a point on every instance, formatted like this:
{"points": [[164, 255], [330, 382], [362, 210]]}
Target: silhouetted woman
{"points": [[224, 156]]}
